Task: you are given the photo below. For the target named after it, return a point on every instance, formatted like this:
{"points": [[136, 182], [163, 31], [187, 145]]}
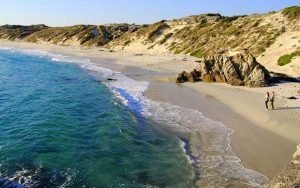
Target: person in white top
{"points": [[267, 99]]}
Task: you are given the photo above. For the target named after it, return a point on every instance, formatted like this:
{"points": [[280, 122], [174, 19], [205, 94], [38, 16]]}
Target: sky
{"points": [[71, 12]]}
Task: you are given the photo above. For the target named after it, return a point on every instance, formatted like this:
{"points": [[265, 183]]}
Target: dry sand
{"points": [[264, 140]]}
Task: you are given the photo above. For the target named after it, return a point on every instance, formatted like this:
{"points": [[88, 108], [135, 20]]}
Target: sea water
{"points": [[61, 127], [69, 122]]}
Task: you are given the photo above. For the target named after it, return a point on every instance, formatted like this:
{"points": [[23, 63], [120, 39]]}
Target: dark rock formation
{"points": [[289, 177], [238, 70]]}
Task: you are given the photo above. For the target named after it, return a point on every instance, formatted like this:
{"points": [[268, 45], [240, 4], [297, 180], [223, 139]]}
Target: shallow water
{"points": [[59, 126]]}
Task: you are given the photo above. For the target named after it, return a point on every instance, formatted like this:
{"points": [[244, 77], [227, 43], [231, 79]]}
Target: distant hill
{"points": [[274, 37]]}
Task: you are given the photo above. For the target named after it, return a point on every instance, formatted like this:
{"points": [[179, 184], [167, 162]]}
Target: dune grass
{"points": [[286, 59], [198, 53], [292, 12]]}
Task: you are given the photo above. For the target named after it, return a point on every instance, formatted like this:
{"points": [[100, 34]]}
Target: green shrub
{"points": [[177, 50], [233, 31], [286, 59], [292, 12], [127, 42], [188, 51], [198, 53]]}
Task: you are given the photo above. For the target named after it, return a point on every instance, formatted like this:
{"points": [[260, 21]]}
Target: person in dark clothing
{"points": [[272, 98]]}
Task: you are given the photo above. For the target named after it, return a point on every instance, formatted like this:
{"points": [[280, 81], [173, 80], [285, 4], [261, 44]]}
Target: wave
{"points": [[37, 176], [212, 153]]}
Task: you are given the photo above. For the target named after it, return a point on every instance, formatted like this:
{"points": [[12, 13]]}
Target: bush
{"points": [[198, 53], [286, 59], [127, 42], [292, 12]]}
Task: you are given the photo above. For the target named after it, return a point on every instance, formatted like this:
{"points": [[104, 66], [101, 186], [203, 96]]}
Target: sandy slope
{"points": [[287, 43]]}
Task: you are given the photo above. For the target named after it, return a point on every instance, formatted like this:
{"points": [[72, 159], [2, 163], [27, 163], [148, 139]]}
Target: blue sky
{"points": [[70, 12]]}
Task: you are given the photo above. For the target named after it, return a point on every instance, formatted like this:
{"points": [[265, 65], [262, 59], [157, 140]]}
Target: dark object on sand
{"points": [[138, 54], [292, 98], [111, 79]]}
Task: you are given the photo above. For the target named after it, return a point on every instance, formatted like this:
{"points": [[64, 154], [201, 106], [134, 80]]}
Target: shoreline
{"points": [[247, 140], [171, 65]]}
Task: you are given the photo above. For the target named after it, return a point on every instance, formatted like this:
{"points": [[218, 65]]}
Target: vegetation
{"points": [[292, 12], [197, 35], [198, 53], [165, 38], [286, 59], [127, 42], [151, 31]]}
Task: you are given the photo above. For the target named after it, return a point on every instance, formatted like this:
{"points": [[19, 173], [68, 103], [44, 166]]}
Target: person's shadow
{"points": [[287, 108]]}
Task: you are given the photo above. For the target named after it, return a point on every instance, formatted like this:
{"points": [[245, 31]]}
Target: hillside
{"points": [[273, 38], [77, 35]]}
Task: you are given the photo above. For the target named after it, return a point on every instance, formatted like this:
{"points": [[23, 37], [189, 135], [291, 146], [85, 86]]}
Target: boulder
{"points": [[239, 70], [182, 77], [188, 77]]}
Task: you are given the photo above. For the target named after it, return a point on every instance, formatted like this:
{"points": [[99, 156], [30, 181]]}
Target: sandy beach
{"points": [[264, 140]]}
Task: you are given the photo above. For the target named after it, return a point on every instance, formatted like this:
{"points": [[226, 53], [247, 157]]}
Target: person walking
{"points": [[267, 99], [272, 98]]}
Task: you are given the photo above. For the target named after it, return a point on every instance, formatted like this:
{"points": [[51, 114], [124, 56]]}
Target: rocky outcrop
{"points": [[289, 177], [241, 69]]}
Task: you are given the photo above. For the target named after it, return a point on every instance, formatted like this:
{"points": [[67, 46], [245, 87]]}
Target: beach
{"points": [[263, 140]]}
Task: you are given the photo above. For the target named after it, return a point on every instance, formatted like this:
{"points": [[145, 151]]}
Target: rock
{"points": [[238, 70], [111, 79], [188, 77], [289, 177], [182, 77]]}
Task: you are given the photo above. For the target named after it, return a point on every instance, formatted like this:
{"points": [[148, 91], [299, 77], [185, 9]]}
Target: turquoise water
{"points": [[59, 126]]}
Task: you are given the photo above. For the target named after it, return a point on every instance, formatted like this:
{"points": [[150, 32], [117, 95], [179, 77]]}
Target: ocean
{"points": [[69, 122], [61, 127]]}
